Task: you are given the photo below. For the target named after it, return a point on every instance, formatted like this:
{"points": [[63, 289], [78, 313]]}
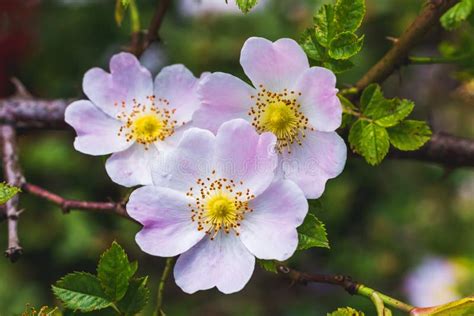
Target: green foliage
{"points": [[349, 15], [381, 121], [113, 289], [7, 192], [332, 41], [462, 307], [136, 297], [268, 265], [121, 6], [409, 135], [119, 13], [345, 45], [369, 140], [312, 233], [246, 5], [385, 112], [114, 271], [457, 14], [82, 291], [460, 51], [346, 311]]}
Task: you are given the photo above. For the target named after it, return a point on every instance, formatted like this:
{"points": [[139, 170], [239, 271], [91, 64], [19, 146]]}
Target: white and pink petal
{"points": [[318, 99], [178, 86], [133, 166], [275, 65], [321, 156], [269, 231], [223, 98], [97, 133], [224, 263], [166, 218], [193, 158], [127, 82], [244, 155]]}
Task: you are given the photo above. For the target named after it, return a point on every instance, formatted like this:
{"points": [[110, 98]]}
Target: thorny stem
{"points": [[385, 299], [396, 56], [13, 176], [67, 205], [346, 282], [161, 286], [139, 45]]}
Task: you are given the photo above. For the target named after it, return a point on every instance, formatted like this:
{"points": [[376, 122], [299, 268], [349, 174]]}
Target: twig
{"points": [[445, 149], [138, 47], [33, 113], [397, 55], [67, 205], [345, 282], [14, 176], [161, 286], [422, 60]]}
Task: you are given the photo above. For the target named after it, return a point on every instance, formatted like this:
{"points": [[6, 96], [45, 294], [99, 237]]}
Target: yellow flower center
{"points": [[280, 119], [221, 211], [219, 205], [147, 128], [147, 123], [280, 114]]}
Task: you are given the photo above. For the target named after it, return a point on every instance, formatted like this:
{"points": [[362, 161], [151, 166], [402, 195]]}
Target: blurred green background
{"points": [[383, 222]]}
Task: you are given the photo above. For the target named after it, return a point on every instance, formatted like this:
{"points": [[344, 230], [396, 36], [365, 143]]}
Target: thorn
{"points": [[20, 90], [394, 40]]}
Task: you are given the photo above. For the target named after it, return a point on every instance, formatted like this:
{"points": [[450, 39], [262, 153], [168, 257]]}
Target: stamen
{"points": [[280, 114], [220, 205], [147, 123]]}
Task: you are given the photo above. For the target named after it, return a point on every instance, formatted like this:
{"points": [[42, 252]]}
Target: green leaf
{"points": [[346, 311], [395, 111], [371, 94], [312, 233], [462, 307], [347, 105], [246, 5], [136, 297], [369, 140], [385, 112], [82, 291], [345, 45], [456, 15], [324, 24], [120, 8], [7, 192], [268, 265], [114, 271], [310, 45], [338, 66], [409, 134], [349, 14]]}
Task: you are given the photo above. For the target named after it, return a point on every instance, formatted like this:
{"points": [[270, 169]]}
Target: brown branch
{"points": [[445, 149], [345, 282], [140, 44], [397, 55], [67, 205], [13, 176], [33, 113], [296, 276]]}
